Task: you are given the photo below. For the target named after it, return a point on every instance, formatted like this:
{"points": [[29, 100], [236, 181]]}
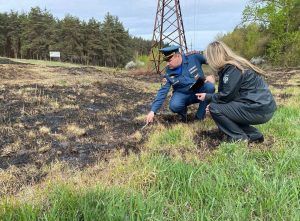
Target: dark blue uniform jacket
{"points": [[180, 79]]}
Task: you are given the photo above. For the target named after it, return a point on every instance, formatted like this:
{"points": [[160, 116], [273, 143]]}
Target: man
{"points": [[184, 73]]}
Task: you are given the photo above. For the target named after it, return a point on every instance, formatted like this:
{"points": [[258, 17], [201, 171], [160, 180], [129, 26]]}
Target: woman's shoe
{"points": [[258, 140]]}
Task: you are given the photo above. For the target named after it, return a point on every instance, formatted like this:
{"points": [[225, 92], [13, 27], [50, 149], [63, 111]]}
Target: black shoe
{"points": [[198, 119], [257, 140], [183, 118]]}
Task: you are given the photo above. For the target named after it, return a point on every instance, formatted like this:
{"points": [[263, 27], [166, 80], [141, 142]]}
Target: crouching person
{"points": [[243, 97]]}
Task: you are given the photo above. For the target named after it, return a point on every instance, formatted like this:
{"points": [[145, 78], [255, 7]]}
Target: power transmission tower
{"points": [[168, 30]]}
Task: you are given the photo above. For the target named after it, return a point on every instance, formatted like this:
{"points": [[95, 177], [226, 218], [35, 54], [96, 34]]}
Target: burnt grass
{"points": [[34, 117]]}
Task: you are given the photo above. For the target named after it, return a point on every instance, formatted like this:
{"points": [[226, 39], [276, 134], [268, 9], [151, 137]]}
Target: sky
{"points": [[203, 19]]}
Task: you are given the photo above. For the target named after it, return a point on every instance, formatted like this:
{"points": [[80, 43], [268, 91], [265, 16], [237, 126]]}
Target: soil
{"points": [[279, 77]]}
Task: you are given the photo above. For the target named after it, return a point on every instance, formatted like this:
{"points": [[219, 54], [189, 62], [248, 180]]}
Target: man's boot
{"points": [[183, 118]]}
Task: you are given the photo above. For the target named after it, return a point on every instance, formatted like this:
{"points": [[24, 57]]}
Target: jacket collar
{"points": [[185, 59]]}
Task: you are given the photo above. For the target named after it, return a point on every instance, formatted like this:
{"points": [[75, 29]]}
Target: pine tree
{"points": [[71, 39], [92, 44], [14, 33], [3, 33], [35, 37]]}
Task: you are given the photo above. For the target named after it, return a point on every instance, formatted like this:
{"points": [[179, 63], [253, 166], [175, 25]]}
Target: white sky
{"points": [[203, 19]]}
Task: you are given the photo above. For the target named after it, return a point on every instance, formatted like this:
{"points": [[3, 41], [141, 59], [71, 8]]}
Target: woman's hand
{"points": [[210, 79], [201, 96], [207, 109]]}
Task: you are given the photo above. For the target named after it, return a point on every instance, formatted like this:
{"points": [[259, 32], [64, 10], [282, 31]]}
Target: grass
{"points": [[178, 136], [74, 130], [235, 182], [44, 63]]}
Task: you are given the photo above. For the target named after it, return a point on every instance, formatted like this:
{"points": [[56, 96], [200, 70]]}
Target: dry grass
{"points": [[12, 148], [74, 130], [45, 130]]}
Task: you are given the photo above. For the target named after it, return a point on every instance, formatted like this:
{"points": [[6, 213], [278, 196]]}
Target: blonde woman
{"points": [[243, 97]]}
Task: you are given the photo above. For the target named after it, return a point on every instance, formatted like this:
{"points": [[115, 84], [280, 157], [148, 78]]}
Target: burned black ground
{"points": [[105, 111]]}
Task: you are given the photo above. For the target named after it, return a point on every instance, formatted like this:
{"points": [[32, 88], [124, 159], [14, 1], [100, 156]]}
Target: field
{"points": [[72, 148]]}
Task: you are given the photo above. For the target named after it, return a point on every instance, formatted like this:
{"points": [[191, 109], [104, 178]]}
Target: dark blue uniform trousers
{"points": [[180, 101], [235, 120]]}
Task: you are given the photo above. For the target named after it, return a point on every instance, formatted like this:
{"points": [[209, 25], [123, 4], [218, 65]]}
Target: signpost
{"points": [[54, 54]]}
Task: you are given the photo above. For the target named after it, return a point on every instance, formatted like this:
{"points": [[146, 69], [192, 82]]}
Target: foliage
{"points": [[270, 29], [33, 35]]}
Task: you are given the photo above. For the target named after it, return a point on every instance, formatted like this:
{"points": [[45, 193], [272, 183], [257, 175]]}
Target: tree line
{"points": [[270, 29], [34, 34]]}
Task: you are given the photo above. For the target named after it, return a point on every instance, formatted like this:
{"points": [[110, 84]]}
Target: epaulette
{"points": [[192, 52]]}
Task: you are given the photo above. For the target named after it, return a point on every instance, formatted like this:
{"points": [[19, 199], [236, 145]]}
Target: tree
{"points": [[93, 46], [3, 33], [141, 46], [117, 50], [14, 33], [38, 26], [71, 39], [278, 17]]}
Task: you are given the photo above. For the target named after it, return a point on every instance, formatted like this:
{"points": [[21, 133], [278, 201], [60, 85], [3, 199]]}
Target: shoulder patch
{"points": [[225, 78]]}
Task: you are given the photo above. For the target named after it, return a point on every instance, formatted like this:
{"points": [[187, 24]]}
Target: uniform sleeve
{"points": [[232, 80], [160, 97]]}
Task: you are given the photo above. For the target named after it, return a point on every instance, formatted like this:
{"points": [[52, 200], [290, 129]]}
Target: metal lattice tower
{"points": [[168, 30]]}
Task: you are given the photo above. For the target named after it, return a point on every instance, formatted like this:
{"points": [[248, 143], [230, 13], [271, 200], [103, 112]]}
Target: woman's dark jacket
{"points": [[248, 88]]}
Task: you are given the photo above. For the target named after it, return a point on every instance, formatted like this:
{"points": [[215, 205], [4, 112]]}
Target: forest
{"points": [[32, 35]]}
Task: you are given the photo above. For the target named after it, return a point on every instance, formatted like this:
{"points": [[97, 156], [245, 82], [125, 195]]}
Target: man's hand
{"points": [[210, 79], [150, 117], [201, 96]]}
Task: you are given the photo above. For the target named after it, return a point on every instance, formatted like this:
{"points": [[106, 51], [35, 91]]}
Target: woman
{"points": [[243, 97]]}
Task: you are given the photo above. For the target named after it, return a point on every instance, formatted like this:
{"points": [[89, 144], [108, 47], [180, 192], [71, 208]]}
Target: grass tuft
{"points": [[74, 130]]}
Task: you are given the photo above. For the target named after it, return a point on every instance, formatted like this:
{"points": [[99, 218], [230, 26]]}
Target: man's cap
{"points": [[169, 51]]}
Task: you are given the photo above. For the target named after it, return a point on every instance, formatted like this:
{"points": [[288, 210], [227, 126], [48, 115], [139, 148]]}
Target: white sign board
{"points": [[54, 54]]}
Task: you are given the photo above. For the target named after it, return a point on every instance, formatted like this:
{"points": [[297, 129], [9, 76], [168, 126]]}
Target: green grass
{"points": [[178, 136], [143, 58], [236, 182], [44, 63]]}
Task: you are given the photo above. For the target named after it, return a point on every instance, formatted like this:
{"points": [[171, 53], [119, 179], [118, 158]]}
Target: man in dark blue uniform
{"points": [[184, 73]]}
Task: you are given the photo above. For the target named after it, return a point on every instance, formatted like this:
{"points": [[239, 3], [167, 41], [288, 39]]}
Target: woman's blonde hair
{"points": [[219, 54]]}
